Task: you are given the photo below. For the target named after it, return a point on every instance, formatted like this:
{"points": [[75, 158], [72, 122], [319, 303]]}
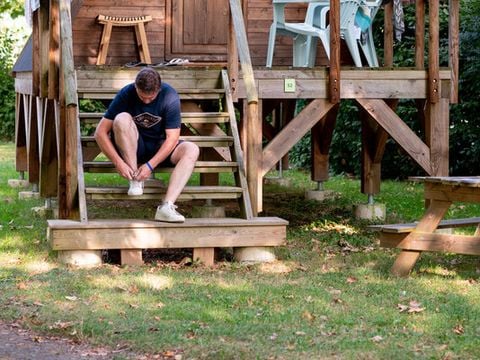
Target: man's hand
{"points": [[143, 173], [124, 170]]}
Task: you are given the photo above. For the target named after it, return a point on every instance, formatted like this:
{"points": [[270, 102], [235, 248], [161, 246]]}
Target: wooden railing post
{"points": [[454, 48], [334, 74], [388, 35]]}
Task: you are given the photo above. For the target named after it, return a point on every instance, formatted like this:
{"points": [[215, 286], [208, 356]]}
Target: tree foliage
{"points": [[12, 7]]}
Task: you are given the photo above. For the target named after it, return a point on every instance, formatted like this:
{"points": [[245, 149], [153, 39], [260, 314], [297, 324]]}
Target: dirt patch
{"points": [[21, 344]]}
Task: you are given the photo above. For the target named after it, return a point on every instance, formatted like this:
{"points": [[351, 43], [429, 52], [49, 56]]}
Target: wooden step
{"points": [[187, 117], [201, 141], [200, 167], [146, 234], [157, 193]]}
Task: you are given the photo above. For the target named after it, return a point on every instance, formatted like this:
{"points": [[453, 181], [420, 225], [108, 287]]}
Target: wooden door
{"points": [[197, 29]]}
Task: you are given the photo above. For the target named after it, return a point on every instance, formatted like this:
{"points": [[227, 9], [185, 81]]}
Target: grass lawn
{"points": [[330, 294]]}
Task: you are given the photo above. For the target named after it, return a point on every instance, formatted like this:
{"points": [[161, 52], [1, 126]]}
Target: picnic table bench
{"points": [[413, 238]]}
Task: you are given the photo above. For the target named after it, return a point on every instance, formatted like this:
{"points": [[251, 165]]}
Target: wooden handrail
{"points": [[243, 51]]}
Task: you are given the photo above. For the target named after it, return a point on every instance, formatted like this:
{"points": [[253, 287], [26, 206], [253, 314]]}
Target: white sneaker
{"points": [[167, 213], [136, 188]]}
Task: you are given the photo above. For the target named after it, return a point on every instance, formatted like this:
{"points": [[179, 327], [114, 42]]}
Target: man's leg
{"points": [[184, 157], [126, 138]]}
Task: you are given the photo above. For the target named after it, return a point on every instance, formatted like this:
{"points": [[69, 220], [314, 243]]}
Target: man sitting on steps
{"points": [[140, 131]]}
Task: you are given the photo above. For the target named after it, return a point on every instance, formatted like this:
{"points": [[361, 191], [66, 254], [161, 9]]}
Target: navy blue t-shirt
{"points": [[151, 119]]}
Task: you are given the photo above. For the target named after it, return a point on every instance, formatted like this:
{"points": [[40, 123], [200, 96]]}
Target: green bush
{"points": [[7, 92]]}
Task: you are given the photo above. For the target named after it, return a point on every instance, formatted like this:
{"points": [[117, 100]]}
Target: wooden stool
{"points": [[137, 21]]}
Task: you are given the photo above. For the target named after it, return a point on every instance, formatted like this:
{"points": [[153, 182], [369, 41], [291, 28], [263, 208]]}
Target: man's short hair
{"points": [[148, 80]]}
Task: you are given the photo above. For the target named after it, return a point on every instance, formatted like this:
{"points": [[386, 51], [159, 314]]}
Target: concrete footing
{"points": [[22, 195], [254, 254], [208, 211], [278, 181], [370, 211], [319, 195], [17, 183], [80, 258], [45, 212]]}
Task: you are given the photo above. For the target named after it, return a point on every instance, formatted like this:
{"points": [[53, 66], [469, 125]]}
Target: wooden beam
{"points": [[293, 132], [399, 131]]}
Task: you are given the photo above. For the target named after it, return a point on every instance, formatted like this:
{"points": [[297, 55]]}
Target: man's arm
{"points": [[166, 149], [102, 136]]}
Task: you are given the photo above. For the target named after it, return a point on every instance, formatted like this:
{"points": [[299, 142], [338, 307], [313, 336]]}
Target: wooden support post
{"points": [[33, 142], [54, 50], [131, 257], [374, 140], [322, 134], [254, 157], [437, 137], [43, 24], [49, 158], [21, 161], [204, 255]]}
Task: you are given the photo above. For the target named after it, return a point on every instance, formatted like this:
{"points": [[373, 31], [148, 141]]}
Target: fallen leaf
{"points": [[458, 329], [308, 315], [351, 280], [415, 307], [21, 286], [377, 338], [133, 306]]}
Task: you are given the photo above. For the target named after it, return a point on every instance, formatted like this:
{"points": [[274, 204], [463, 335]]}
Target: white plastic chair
{"points": [[302, 33], [315, 27]]}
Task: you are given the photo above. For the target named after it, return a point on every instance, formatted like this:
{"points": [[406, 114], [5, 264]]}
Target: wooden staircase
{"points": [[217, 135]]}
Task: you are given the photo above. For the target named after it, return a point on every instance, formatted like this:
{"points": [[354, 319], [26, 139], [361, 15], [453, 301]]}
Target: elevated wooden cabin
{"points": [[215, 35]]}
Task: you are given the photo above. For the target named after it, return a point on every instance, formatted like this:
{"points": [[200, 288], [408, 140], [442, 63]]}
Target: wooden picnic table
{"points": [[440, 193]]}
